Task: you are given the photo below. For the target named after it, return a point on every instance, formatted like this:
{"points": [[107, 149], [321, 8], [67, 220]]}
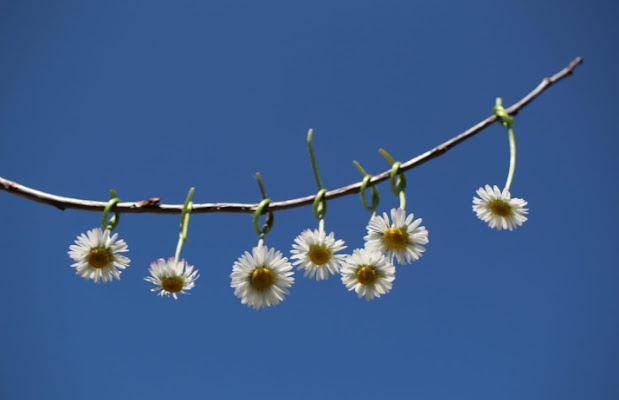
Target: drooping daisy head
{"points": [[314, 251], [172, 277], [96, 255], [368, 272], [402, 239], [261, 279], [498, 209]]}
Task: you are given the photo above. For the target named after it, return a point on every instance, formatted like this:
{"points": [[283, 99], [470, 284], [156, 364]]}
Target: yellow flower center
{"points": [[501, 208], [262, 278], [319, 255], [99, 258], [173, 284], [366, 275], [396, 238]]}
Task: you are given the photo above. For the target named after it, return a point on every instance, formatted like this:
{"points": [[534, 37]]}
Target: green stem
{"points": [[512, 158], [321, 225], [397, 179], [364, 184], [268, 223], [179, 246], [387, 156], [359, 168], [113, 222], [310, 146], [507, 122], [262, 189], [182, 236]]}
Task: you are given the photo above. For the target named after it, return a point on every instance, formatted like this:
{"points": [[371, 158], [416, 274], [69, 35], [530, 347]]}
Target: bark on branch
{"points": [[153, 205]]}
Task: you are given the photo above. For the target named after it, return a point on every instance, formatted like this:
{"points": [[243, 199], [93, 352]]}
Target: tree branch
{"points": [[153, 205]]}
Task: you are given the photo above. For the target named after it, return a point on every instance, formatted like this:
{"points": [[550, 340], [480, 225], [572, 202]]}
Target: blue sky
{"points": [[153, 97]]}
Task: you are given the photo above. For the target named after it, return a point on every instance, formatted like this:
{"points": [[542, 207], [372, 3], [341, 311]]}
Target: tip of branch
{"points": [[578, 60]]}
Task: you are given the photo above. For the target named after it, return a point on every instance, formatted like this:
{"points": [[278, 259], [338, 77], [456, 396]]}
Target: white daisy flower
{"points": [[368, 272], [498, 209], [96, 255], [172, 277], [403, 239], [314, 251], [261, 279]]}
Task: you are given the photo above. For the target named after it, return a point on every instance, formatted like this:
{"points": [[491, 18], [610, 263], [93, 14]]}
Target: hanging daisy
{"points": [[368, 272], [96, 255], [402, 239], [314, 251], [261, 279], [494, 206], [96, 252], [172, 277], [498, 209], [175, 275]]}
